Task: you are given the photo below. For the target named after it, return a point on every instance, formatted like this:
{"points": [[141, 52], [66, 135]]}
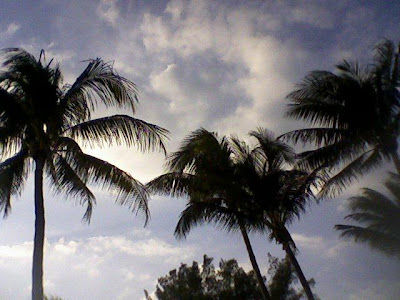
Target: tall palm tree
{"points": [[238, 189], [204, 170], [278, 194], [354, 116], [378, 217], [41, 121]]}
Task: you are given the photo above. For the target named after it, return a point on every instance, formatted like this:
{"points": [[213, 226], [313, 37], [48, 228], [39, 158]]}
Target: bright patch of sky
{"points": [[222, 65]]}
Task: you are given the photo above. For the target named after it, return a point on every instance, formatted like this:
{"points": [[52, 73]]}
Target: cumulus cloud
{"points": [[11, 29], [108, 11], [319, 245], [112, 267]]}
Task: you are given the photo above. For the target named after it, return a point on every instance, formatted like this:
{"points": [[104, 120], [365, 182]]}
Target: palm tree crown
{"points": [[354, 115], [42, 118]]}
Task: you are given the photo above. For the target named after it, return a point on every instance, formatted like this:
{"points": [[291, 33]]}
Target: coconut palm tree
{"points": [[378, 217], [204, 170], [278, 194], [41, 123], [238, 189], [354, 117]]}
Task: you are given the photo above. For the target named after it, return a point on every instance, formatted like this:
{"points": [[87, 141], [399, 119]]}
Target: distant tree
{"points": [[378, 217], [229, 282]]}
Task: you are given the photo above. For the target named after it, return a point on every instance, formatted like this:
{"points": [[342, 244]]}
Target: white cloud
{"points": [[202, 29], [108, 10], [111, 267], [318, 244], [11, 29], [313, 13]]}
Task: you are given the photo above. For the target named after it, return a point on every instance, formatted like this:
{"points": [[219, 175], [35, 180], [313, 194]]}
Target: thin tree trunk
{"points": [[253, 261], [298, 270], [396, 161], [37, 266]]}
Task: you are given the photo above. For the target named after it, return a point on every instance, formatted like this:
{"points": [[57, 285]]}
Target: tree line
{"points": [[353, 114]]}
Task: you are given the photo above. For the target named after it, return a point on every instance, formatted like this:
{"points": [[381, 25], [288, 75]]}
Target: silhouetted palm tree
{"points": [[204, 170], [278, 194], [238, 189], [40, 123], [354, 115], [380, 216]]}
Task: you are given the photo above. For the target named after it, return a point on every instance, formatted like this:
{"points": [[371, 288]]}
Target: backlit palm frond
{"points": [[200, 147], [16, 57], [65, 180], [274, 151], [120, 129], [98, 83], [130, 192], [13, 174], [239, 149], [173, 184], [375, 239], [316, 101], [385, 55], [393, 185], [356, 168], [92, 170], [329, 156], [209, 210], [380, 216], [317, 136]]}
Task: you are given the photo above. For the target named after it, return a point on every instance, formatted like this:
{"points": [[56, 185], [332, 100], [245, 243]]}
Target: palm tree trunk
{"points": [[396, 161], [298, 270], [37, 266], [261, 283]]}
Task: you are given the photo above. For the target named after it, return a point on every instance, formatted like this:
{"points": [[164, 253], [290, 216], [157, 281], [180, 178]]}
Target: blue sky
{"points": [[223, 65]]}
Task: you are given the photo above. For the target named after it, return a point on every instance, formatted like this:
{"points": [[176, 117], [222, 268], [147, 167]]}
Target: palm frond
{"points": [[120, 129], [375, 239], [317, 136], [275, 152], [130, 192], [211, 211], [356, 168], [99, 83], [65, 180], [173, 184], [13, 174], [380, 215], [200, 146]]}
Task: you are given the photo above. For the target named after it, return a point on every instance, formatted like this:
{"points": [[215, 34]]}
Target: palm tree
{"points": [[238, 189], [354, 116], [40, 123], [380, 216], [279, 195], [204, 170]]}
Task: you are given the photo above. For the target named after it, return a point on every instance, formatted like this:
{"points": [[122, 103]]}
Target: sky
{"points": [[222, 65]]}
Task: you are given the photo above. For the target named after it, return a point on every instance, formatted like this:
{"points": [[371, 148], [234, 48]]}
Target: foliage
{"points": [[354, 117], [41, 123], [40, 118], [238, 188], [230, 281], [378, 218]]}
